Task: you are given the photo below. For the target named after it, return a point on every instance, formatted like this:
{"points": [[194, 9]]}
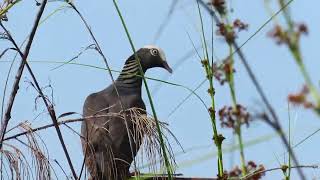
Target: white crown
{"points": [[161, 52]]}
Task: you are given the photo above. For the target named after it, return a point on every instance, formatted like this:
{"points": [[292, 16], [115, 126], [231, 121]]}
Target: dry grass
{"points": [[151, 149], [17, 163]]}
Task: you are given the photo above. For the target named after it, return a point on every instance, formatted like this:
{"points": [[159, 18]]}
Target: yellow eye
{"points": [[154, 52]]}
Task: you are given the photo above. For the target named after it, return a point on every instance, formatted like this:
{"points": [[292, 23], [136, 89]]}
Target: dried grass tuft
{"points": [[146, 129], [18, 164]]}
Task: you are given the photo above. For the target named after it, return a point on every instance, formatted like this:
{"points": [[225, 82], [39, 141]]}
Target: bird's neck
{"points": [[130, 75]]}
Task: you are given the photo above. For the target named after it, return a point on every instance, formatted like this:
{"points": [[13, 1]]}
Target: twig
{"points": [[61, 168], [165, 22], [52, 125], [7, 114], [5, 51], [83, 164]]}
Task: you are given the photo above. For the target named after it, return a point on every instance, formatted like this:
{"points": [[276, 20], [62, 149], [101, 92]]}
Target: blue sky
{"points": [[63, 36]]}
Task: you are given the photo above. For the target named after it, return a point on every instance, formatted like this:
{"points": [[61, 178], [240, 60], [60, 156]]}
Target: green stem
{"points": [[295, 50], [286, 14], [218, 138], [230, 79], [289, 163], [297, 55], [6, 9], [162, 144], [242, 157]]}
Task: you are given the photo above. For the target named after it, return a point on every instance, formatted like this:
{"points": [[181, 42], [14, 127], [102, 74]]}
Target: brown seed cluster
{"points": [[239, 25], [229, 116], [283, 36], [235, 172], [301, 98], [218, 5], [251, 168], [222, 71], [230, 31]]}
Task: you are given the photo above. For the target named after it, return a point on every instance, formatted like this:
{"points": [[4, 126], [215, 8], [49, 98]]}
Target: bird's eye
{"points": [[154, 52]]}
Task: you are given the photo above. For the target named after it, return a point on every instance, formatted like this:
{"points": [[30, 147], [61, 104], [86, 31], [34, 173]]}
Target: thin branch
{"points": [[166, 20], [52, 125], [6, 85], [83, 164], [61, 168], [5, 51], [306, 138], [7, 115]]}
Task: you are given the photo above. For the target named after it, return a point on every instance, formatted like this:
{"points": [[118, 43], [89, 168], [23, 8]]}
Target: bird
{"points": [[107, 148]]}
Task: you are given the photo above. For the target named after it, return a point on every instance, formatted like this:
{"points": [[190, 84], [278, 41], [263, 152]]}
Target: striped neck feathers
{"points": [[130, 73]]}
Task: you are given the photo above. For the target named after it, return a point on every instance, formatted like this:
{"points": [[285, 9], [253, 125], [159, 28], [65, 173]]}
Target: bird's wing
{"points": [[120, 128], [96, 112], [117, 127]]}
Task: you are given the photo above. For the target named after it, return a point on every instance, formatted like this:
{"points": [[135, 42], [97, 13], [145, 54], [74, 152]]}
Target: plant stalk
{"points": [[230, 79], [162, 143], [218, 138]]}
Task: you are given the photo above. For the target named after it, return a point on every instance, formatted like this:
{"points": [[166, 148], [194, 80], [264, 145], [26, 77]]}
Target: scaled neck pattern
{"points": [[130, 74]]}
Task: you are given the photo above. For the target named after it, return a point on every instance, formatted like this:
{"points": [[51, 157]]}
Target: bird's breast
{"points": [[130, 102]]}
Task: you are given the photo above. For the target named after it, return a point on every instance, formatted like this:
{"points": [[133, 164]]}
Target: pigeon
{"points": [[107, 148]]}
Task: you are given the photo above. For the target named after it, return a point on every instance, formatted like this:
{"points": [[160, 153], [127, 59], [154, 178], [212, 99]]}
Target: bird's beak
{"points": [[167, 67]]}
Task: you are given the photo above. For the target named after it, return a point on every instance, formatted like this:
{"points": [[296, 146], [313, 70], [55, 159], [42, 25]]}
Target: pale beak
{"points": [[166, 66]]}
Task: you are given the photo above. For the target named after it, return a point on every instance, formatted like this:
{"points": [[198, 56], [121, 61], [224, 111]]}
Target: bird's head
{"points": [[152, 56]]}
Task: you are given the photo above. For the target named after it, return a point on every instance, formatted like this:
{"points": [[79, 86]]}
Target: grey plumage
{"points": [[105, 141]]}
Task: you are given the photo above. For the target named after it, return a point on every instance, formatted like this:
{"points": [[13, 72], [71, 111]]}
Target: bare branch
{"points": [[52, 125], [7, 115], [5, 51]]}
